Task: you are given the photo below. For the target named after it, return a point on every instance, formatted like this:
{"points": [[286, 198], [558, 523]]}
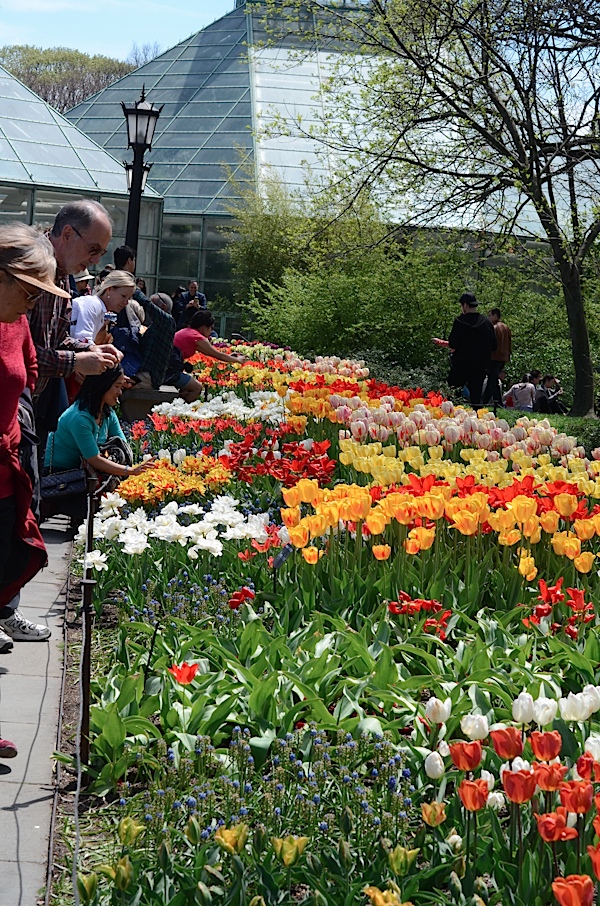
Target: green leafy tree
{"points": [[469, 112], [61, 76]]}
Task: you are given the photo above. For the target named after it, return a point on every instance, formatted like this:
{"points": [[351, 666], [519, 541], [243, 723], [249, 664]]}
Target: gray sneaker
{"points": [[6, 643], [22, 630]]}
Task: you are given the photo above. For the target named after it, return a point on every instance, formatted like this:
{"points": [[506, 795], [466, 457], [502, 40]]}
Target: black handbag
{"points": [[63, 484]]}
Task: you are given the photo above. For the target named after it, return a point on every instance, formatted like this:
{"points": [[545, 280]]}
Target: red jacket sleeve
{"points": [[29, 356]]}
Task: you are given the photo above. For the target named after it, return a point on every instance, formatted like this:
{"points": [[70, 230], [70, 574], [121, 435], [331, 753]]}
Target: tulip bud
{"points": [[129, 831], [259, 838], [475, 726], [522, 709], [257, 901], [123, 873], [438, 712], [87, 885], [193, 831], [454, 886], [480, 889], [347, 821], [401, 860], [289, 849], [434, 766], [314, 864], [345, 854], [455, 842]]}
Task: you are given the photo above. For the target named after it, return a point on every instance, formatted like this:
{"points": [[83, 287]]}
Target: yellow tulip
{"points": [[289, 849], [383, 897], [433, 813], [401, 860], [431, 506], [376, 521], [549, 521], [507, 539], [523, 507], [466, 523], [423, 536], [584, 562], [317, 526], [585, 529], [232, 840], [404, 513], [527, 568], [566, 504]]}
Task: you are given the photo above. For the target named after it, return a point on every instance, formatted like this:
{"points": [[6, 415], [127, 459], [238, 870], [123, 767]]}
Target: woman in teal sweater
{"points": [[87, 424]]}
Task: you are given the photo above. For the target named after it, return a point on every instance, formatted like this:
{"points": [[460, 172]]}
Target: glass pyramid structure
{"points": [[39, 147]]}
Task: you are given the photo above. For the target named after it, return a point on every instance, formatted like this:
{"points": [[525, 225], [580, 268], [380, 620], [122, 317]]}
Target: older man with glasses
{"points": [[79, 237]]}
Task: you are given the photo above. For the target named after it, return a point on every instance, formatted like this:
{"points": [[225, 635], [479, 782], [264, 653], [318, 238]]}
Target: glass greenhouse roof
{"points": [[40, 147], [221, 90]]}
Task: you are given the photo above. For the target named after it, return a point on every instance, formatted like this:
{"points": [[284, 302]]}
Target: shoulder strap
{"points": [[51, 453]]}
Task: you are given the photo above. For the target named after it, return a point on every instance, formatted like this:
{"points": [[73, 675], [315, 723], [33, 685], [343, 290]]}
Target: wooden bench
{"points": [[136, 404]]}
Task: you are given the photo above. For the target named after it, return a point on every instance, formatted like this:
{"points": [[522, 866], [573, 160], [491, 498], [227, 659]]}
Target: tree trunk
{"points": [[583, 399]]}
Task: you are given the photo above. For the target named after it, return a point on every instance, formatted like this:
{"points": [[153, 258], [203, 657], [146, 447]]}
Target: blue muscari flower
{"points": [[406, 773], [170, 754], [402, 815], [392, 782], [205, 835], [374, 773], [248, 788], [122, 802], [279, 787], [292, 756], [191, 802], [243, 811], [411, 789], [177, 804], [316, 799], [323, 826], [148, 817], [160, 792], [376, 822], [250, 759], [277, 811], [408, 801], [235, 784], [346, 779], [364, 805], [237, 730]]}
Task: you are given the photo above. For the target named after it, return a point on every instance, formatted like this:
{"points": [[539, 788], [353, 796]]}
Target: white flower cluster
{"points": [[222, 522], [266, 406]]}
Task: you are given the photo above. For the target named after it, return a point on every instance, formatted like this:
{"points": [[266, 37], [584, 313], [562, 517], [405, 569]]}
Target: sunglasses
{"points": [[93, 250]]}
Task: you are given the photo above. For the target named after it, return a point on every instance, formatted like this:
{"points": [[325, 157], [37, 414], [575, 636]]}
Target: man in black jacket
{"points": [[472, 341]]}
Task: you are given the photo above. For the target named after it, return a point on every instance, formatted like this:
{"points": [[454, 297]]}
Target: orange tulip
{"points": [[431, 506], [549, 521], [308, 490], [404, 513], [553, 828], [381, 551], [299, 535], [291, 516], [519, 786], [185, 673], [376, 522], [566, 504], [473, 794], [423, 536], [317, 526], [594, 854], [576, 796], [291, 496], [523, 508], [574, 890], [549, 776], [411, 546], [546, 746], [507, 742], [358, 508], [466, 756], [433, 813], [311, 555]]}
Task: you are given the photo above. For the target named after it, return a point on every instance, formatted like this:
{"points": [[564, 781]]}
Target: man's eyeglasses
{"points": [[93, 250]]}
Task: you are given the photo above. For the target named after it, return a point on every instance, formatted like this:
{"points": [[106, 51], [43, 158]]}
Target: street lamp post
{"points": [[141, 122]]}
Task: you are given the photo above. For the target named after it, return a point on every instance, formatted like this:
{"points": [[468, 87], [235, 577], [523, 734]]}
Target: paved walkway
{"points": [[30, 681]]}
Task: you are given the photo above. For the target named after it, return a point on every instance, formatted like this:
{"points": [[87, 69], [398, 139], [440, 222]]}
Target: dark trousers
{"points": [[493, 384], [474, 382], [8, 549]]}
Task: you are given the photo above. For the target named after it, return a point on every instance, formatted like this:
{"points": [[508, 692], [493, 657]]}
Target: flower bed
{"points": [[358, 655]]}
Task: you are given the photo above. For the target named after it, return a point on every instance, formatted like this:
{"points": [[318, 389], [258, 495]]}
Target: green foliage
{"points": [[61, 76]]}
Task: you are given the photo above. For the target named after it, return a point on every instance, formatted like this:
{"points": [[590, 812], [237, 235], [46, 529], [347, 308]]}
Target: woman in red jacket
{"points": [[27, 268]]}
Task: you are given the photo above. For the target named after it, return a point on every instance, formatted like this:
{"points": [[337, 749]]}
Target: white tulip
{"points": [[179, 456], [576, 707], [489, 779], [522, 708], [519, 764], [454, 841], [434, 766], [592, 745], [438, 712], [443, 748], [475, 726], [544, 711], [495, 801], [594, 693]]}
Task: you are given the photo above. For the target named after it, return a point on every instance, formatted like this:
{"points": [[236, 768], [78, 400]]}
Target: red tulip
{"points": [[549, 776], [519, 786], [546, 746], [185, 673], [594, 854], [586, 767], [553, 828], [577, 796], [473, 794], [507, 742], [574, 890], [466, 756]]}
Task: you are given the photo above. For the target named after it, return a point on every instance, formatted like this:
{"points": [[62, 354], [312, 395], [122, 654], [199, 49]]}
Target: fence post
{"points": [[88, 585]]}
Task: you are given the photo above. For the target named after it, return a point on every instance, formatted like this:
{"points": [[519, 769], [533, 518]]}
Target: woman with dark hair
{"points": [[88, 424], [194, 338]]}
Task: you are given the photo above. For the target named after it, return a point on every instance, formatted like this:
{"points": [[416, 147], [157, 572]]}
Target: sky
{"points": [[108, 27]]}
